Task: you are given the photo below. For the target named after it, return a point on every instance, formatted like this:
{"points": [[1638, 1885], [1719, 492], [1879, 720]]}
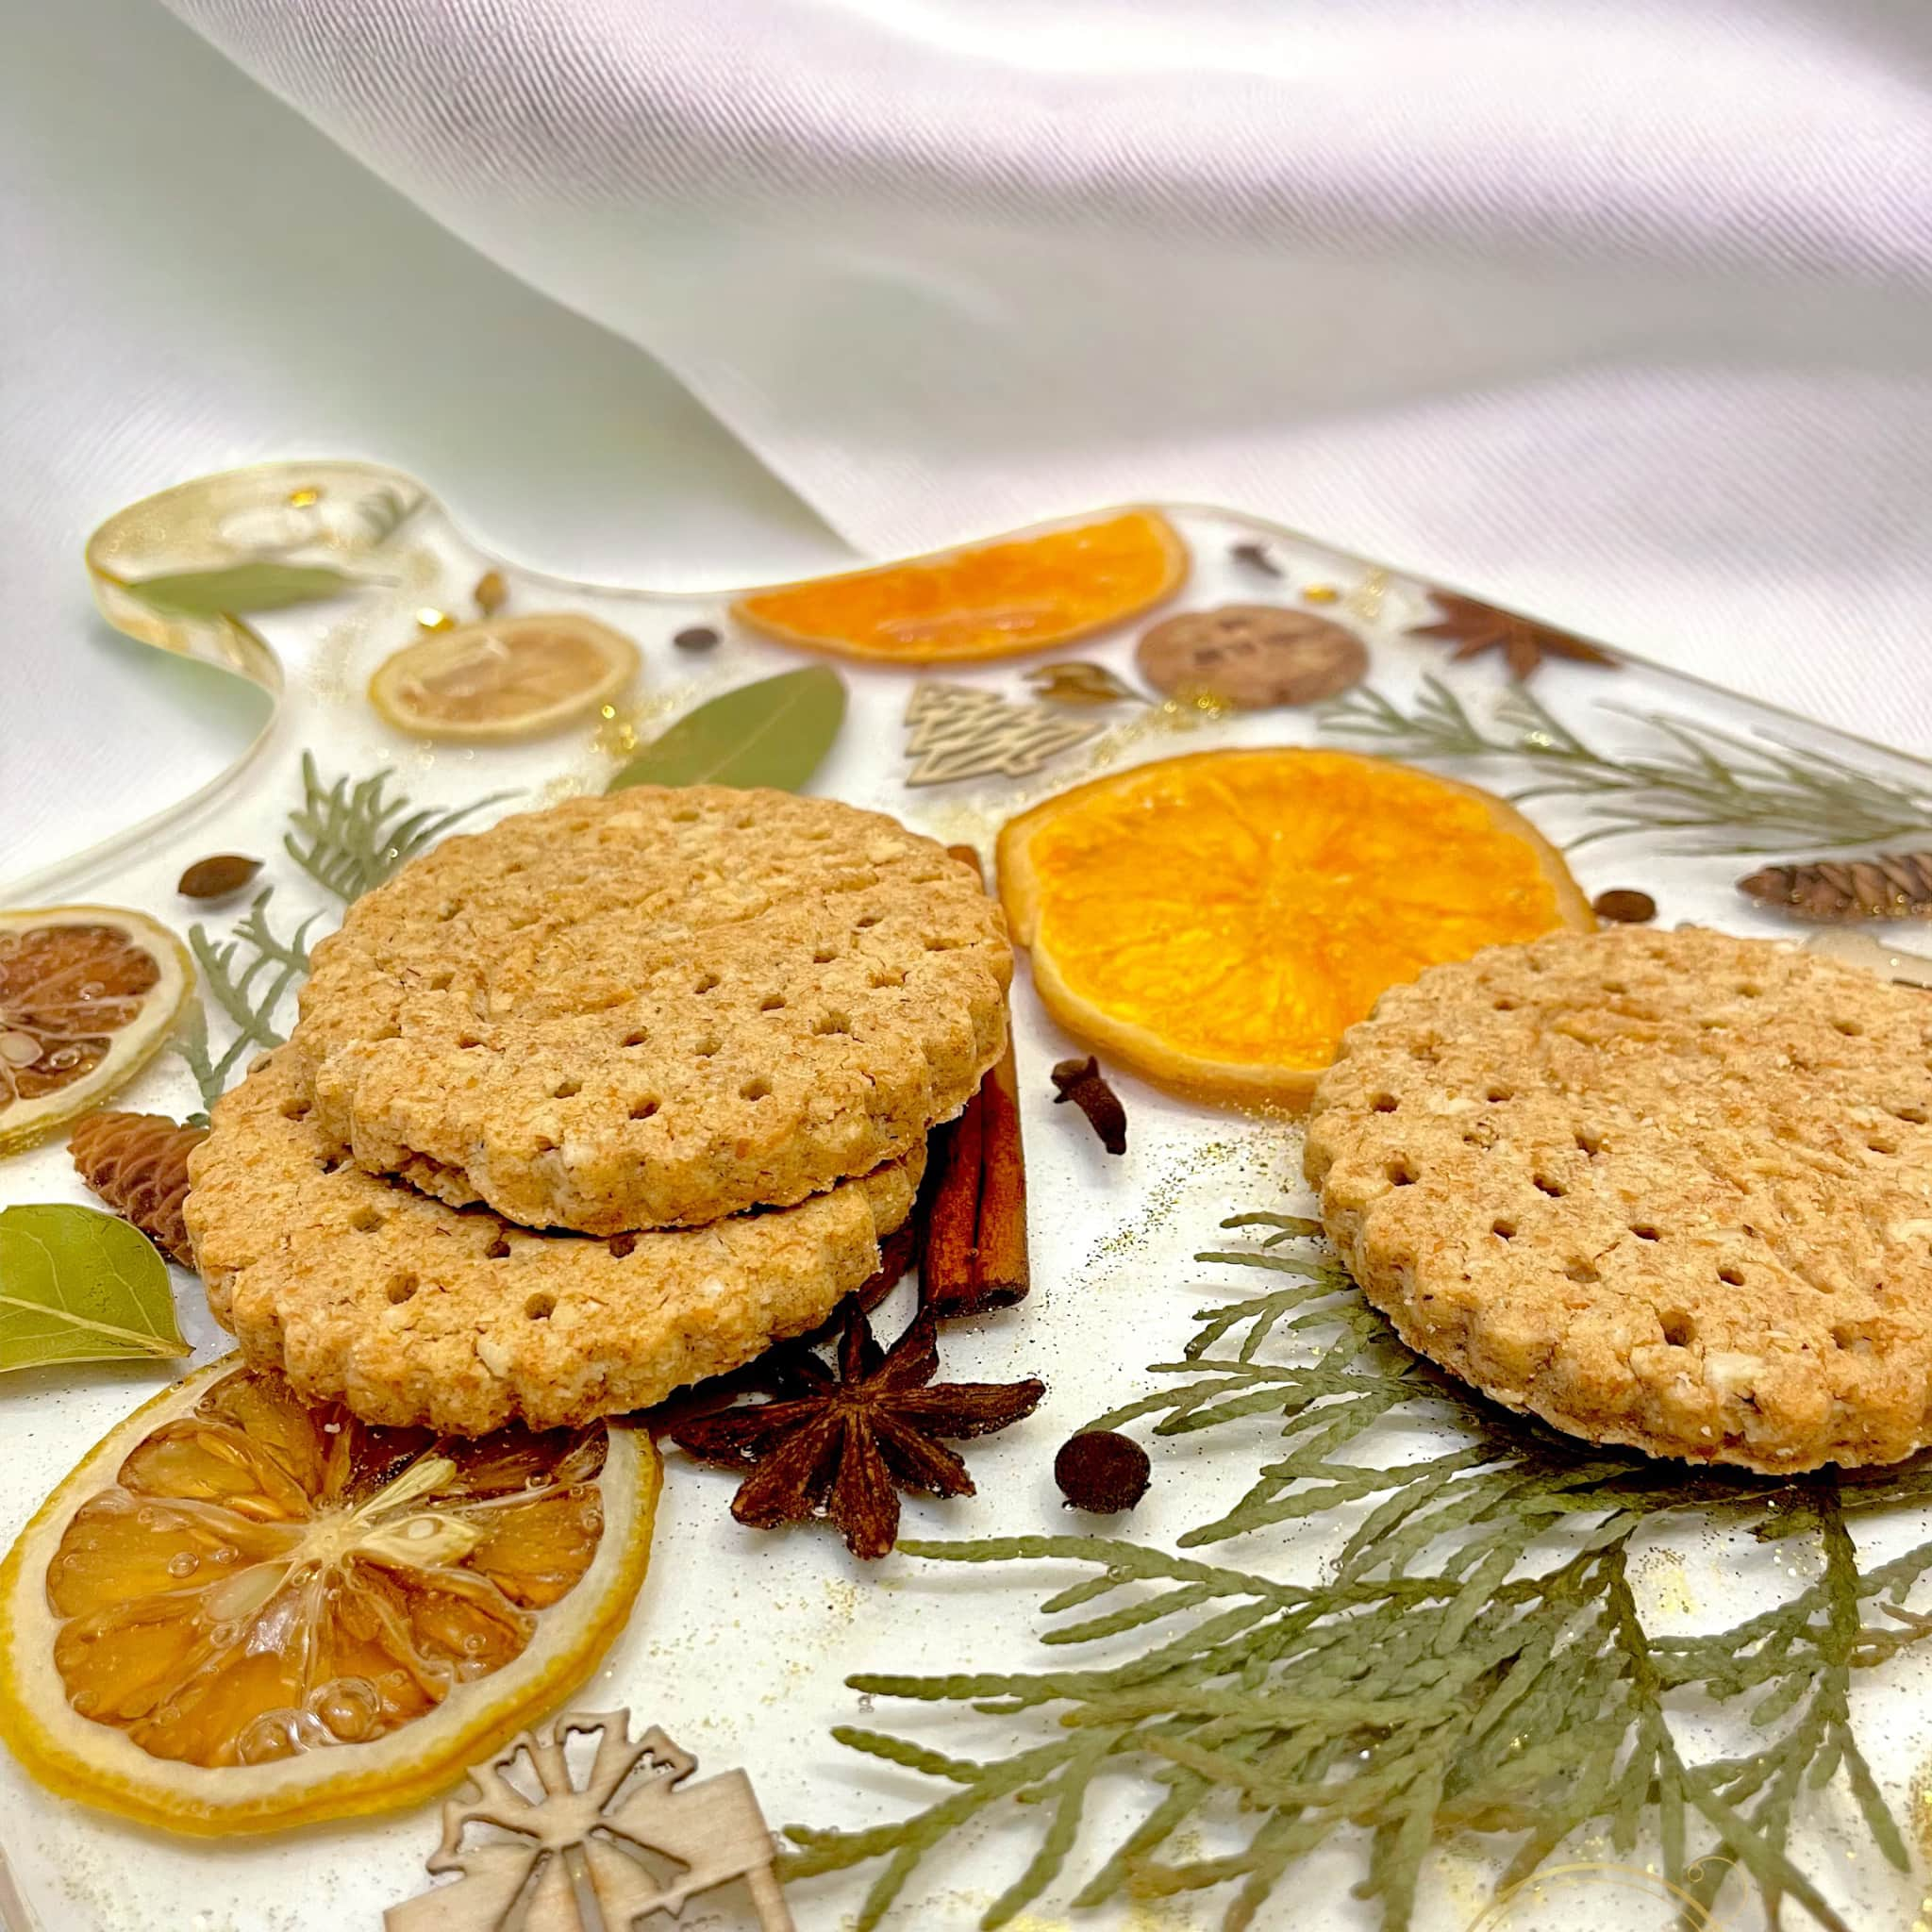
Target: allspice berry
{"points": [[1101, 1472]]}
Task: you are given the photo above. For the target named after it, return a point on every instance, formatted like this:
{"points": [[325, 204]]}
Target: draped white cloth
{"points": [[1616, 309]]}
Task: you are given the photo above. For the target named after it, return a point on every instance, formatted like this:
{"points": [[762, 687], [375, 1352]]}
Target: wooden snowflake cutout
{"points": [[956, 731], [551, 1837]]}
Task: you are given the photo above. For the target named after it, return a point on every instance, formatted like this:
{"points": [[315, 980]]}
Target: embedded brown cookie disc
{"points": [[1253, 654], [656, 1009], [1671, 1190], [360, 1289]]}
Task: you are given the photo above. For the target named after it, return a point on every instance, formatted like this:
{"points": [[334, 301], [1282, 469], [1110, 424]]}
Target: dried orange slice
{"points": [[504, 678], [989, 600], [240, 1614], [87, 995], [1216, 921]]}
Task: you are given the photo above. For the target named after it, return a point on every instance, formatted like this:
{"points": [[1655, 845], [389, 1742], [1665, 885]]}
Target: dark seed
{"points": [[1255, 557], [491, 593], [698, 637], [216, 878], [1101, 1472], [1623, 907]]}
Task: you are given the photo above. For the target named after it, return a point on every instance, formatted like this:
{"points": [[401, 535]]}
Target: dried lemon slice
{"points": [[88, 993], [987, 600], [240, 1614], [504, 678], [1217, 922]]}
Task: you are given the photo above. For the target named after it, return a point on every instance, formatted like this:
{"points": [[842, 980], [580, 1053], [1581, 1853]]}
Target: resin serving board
{"points": [[741, 1641]]}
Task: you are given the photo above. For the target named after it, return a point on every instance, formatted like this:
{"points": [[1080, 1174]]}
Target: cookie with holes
{"points": [[656, 1009], [360, 1288], [1668, 1189]]}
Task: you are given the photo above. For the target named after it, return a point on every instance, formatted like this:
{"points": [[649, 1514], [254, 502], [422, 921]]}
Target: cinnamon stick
{"points": [[976, 1220]]}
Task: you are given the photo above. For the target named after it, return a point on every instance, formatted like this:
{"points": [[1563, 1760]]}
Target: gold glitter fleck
{"points": [[617, 735], [1365, 600], [429, 618], [1320, 593], [1195, 701], [301, 499]]}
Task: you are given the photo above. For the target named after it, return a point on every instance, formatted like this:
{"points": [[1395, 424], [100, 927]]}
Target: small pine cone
{"points": [[137, 1164], [1889, 884]]}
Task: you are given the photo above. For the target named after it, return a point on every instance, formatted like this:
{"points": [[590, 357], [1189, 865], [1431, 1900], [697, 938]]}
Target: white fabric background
{"points": [[189, 279], [1616, 311]]}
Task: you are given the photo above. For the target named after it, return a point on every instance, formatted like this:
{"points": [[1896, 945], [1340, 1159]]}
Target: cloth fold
{"points": [[1615, 311]]}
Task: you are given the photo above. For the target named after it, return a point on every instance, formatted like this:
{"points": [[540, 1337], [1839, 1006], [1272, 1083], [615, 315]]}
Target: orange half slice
{"points": [[988, 600], [1215, 923]]}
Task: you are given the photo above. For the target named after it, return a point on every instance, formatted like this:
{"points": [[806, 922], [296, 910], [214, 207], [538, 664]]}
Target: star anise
{"points": [[1475, 627], [849, 1444]]}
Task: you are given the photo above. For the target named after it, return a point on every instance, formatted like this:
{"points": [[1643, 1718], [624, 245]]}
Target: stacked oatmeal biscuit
{"points": [[598, 1102]]}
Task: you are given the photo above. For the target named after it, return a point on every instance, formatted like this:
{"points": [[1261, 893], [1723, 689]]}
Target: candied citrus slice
{"points": [[87, 995], [1216, 921], [988, 600], [240, 1614], [504, 678]]}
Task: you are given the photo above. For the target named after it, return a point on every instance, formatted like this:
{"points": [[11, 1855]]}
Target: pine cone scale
{"points": [[137, 1163]]}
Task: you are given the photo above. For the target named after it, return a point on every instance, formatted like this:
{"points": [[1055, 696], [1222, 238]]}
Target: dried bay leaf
{"points": [[240, 589], [79, 1286], [775, 732]]}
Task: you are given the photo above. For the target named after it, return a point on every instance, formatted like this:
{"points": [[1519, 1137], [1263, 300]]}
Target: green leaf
{"points": [[775, 732], [241, 588], [79, 1286]]}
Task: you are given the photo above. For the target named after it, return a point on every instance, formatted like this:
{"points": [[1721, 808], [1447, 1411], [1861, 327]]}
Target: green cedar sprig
{"points": [[1706, 789], [349, 837], [1474, 1664], [247, 977]]}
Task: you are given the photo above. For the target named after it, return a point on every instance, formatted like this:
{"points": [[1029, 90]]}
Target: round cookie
{"points": [[1671, 1190], [656, 1009], [1253, 654], [359, 1288]]}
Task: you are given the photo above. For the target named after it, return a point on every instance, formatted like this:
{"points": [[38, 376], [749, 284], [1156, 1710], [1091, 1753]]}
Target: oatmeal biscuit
{"points": [[359, 1287], [1671, 1190], [656, 1009]]}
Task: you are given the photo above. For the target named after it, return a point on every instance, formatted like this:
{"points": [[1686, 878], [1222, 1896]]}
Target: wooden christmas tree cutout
{"points": [[956, 731], [611, 1840]]}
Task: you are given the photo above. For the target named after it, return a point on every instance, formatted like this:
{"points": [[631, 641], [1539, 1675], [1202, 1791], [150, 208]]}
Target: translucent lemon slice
{"points": [[87, 995], [504, 678], [240, 1614]]}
